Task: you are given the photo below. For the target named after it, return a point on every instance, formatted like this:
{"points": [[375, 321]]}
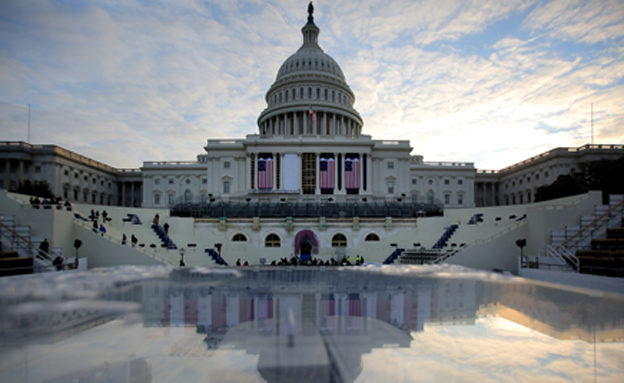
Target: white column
{"points": [[305, 124], [248, 185]]}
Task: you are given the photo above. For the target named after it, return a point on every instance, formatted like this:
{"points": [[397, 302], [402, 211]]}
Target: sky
{"points": [[492, 83]]}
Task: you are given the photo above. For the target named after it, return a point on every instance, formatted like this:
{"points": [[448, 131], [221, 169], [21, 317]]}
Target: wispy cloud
{"points": [[125, 82]]}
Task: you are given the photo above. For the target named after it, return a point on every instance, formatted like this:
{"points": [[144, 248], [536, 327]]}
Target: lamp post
{"points": [[182, 251], [77, 244], [521, 243]]}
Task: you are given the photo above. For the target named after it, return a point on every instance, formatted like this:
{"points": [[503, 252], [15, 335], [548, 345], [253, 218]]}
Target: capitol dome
{"points": [[310, 95]]}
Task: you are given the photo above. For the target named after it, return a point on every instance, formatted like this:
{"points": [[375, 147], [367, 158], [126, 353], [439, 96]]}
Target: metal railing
{"points": [[24, 247], [601, 223], [563, 256]]}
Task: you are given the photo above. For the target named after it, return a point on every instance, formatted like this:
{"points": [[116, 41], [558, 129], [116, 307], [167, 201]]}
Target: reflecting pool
{"points": [[308, 324]]}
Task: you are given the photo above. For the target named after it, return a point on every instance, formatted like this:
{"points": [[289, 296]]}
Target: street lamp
{"points": [[182, 251], [77, 244]]}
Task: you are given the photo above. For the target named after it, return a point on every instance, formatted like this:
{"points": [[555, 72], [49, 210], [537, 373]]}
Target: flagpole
{"points": [[28, 139]]}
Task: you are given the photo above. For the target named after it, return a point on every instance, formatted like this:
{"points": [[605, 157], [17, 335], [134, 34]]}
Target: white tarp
{"points": [[291, 172]]}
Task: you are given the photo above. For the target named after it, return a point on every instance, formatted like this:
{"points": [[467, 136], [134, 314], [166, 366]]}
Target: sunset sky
{"points": [[486, 82]]}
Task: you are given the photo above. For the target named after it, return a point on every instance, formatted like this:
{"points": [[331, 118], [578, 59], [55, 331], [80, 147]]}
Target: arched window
{"points": [[239, 238], [188, 196], [372, 237], [272, 240], [339, 240]]}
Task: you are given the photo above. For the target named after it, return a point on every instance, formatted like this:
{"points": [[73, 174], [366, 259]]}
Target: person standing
{"points": [[44, 248]]}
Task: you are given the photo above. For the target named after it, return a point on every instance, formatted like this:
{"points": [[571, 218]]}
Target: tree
{"points": [[34, 188], [604, 175]]}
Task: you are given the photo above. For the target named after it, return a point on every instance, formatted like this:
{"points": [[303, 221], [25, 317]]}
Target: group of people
{"points": [[133, 240], [95, 217], [35, 202], [295, 261]]}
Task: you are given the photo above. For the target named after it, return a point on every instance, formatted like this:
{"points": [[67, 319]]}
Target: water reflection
{"points": [[317, 325]]}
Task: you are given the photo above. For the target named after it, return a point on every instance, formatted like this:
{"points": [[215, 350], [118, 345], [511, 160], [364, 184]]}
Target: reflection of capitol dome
{"points": [[310, 95]]}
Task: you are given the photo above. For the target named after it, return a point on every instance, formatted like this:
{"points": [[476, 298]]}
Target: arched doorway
{"points": [[306, 244]]}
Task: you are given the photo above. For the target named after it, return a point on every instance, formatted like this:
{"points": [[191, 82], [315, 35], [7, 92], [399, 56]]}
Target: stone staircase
{"points": [[596, 245]]}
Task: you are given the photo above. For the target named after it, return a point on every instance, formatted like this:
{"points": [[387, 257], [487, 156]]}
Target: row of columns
{"points": [[7, 173], [134, 193], [302, 124], [365, 172]]}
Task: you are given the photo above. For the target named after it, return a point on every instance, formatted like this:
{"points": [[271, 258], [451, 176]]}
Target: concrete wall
{"points": [[500, 253], [102, 252]]}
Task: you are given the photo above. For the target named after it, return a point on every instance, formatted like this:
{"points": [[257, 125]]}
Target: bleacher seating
{"points": [[442, 242], [392, 257], [164, 238], [216, 257], [477, 217]]}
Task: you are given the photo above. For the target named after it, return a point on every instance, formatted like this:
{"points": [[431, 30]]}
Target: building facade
{"points": [[309, 148]]}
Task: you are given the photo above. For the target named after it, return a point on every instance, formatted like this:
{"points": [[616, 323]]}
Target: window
{"points": [[75, 175], [156, 181], [390, 187], [66, 172], [390, 164], [430, 182], [372, 237], [239, 238], [204, 181], [294, 94], [188, 181], [272, 240], [339, 240], [309, 92], [414, 181], [326, 94], [226, 187], [447, 182], [301, 93], [170, 198], [226, 164], [318, 93], [460, 199], [170, 181], [156, 199], [447, 199], [188, 196], [460, 182], [37, 169], [86, 179]]}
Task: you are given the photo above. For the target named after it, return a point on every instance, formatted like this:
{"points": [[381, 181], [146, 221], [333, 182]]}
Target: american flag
{"points": [[312, 114], [265, 173], [352, 173], [327, 173]]}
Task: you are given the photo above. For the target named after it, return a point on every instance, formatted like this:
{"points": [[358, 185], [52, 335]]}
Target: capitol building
{"points": [[310, 147], [308, 181]]}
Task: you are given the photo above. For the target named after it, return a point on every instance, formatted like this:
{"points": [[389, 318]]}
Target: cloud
{"points": [[132, 82]]}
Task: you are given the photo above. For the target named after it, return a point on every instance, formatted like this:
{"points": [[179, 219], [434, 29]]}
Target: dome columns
{"points": [[299, 123]]}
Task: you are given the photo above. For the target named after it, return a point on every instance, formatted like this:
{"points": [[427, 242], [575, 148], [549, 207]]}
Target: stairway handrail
{"points": [[593, 223], [38, 252], [564, 256]]}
